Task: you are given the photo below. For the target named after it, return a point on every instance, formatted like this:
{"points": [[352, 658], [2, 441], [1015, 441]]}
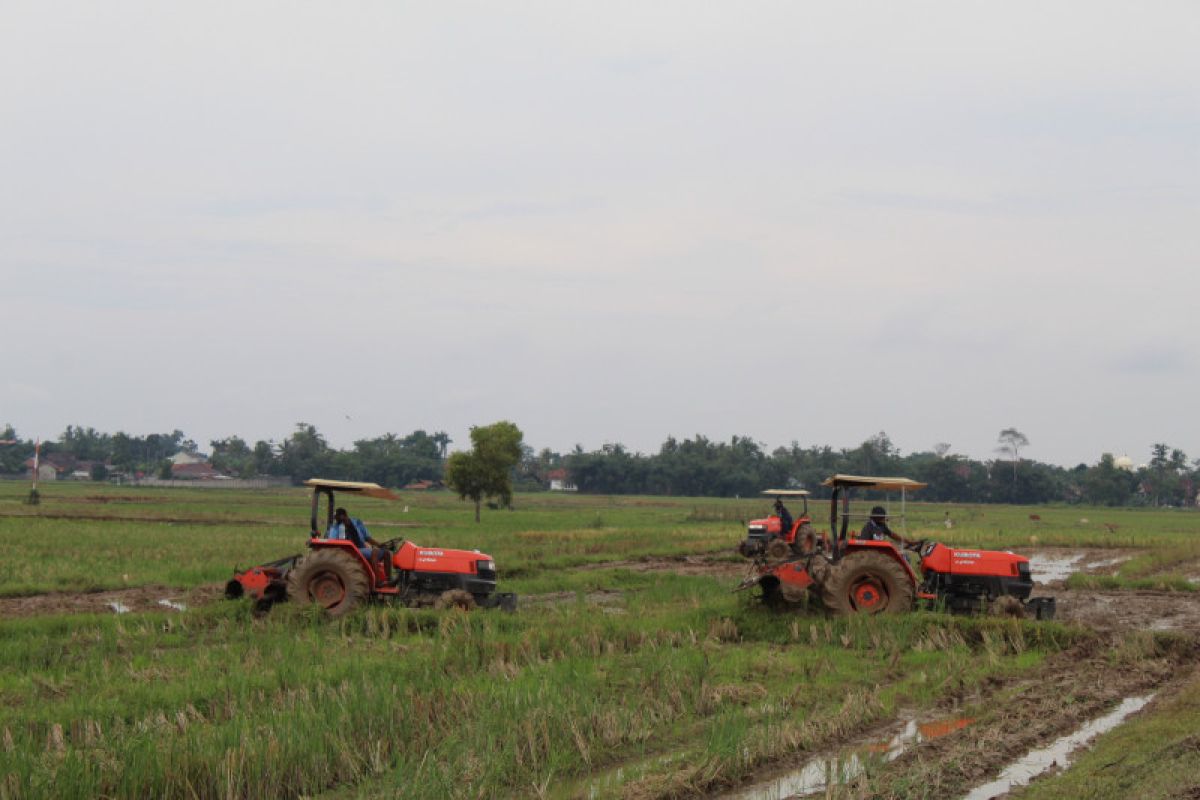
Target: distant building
{"points": [[422, 486], [183, 458], [195, 472], [560, 481], [1124, 462], [52, 466]]}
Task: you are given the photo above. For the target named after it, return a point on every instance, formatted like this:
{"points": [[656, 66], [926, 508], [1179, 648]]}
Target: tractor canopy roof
{"points": [[785, 492], [368, 489], [881, 484]]}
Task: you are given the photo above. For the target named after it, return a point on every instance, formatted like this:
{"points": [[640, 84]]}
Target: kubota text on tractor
{"points": [[851, 575], [335, 575]]}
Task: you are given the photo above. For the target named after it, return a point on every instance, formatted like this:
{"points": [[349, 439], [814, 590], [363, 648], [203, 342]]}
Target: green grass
{"points": [[214, 703], [95, 536], [1157, 569], [675, 682]]}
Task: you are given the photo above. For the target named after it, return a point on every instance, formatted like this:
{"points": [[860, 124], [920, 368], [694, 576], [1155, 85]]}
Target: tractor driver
{"points": [[344, 527], [785, 517], [877, 528]]}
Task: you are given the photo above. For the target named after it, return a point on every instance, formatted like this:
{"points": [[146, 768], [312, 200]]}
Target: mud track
{"points": [[1102, 610], [705, 564], [138, 598], [1009, 717]]}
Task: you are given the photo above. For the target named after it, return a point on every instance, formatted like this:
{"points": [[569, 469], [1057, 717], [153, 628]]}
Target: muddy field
{"points": [[981, 731], [1098, 609], [957, 749], [117, 601]]}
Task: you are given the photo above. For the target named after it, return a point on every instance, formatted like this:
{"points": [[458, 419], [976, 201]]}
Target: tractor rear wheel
{"points": [[331, 579], [868, 582]]}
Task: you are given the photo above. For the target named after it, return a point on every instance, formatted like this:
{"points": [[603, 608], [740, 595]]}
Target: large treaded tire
{"points": [[329, 578], [868, 583]]}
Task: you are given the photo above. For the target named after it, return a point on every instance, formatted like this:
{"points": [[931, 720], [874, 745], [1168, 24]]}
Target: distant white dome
{"points": [[1125, 463]]}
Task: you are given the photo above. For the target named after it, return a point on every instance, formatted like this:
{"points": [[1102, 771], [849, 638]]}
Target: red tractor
{"points": [[851, 575], [335, 575], [770, 534]]}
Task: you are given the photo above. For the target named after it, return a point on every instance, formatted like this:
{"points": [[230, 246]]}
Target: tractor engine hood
{"points": [[410, 556], [954, 561], [756, 528]]}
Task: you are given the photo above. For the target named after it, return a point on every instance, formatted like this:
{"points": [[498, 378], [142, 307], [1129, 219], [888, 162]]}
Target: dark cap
{"points": [[878, 511]]}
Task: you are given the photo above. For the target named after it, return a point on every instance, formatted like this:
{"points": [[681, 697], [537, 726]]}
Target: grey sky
{"points": [[606, 221]]}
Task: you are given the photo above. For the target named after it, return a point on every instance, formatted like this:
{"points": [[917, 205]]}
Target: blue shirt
{"points": [[358, 533]]}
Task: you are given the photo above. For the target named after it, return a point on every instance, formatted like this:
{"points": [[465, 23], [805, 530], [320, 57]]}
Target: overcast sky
{"points": [[606, 222]]}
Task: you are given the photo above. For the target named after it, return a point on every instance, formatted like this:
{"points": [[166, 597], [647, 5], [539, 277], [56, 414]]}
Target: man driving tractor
{"points": [[785, 516], [345, 527], [876, 528]]}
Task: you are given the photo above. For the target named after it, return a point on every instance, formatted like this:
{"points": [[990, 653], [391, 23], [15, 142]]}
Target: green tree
{"points": [[1011, 441], [264, 460], [442, 440], [12, 451], [123, 452], [486, 470], [232, 456], [1107, 485], [1165, 475], [86, 444], [305, 454]]}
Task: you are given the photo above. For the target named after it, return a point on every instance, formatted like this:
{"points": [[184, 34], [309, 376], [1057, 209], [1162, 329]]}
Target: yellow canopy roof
{"points": [[369, 489], [785, 492], [882, 484]]}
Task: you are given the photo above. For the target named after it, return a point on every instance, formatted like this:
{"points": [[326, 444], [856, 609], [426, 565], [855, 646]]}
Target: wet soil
{"points": [[716, 565], [138, 598], [1010, 718], [1129, 610], [1072, 689]]}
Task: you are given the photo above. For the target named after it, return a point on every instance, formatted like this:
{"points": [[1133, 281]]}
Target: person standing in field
{"points": [[355, 530]]}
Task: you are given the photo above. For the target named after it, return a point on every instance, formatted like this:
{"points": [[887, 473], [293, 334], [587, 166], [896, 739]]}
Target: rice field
{"points": [[629, 670]]}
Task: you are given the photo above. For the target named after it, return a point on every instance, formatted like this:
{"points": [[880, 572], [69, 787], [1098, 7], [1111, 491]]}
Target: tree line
{"points": [[742, 467], [390, 459], [696, 466]]}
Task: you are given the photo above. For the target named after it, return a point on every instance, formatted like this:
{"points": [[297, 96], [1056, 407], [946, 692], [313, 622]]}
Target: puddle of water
{"points": [[172, 604], [1046, 568], [1036, 762], [118, 607], [1105, 562], [820, 773]]}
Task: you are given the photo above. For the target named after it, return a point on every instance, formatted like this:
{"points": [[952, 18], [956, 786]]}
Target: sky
{"points": [[605, 222]]}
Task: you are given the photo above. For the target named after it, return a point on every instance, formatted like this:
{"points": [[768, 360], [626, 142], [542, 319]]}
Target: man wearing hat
{"points": [[876, 527], [785, 517]]}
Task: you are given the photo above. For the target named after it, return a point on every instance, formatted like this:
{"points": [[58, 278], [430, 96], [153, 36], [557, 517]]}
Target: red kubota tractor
{"points": [[850, 575], [334, 574]]}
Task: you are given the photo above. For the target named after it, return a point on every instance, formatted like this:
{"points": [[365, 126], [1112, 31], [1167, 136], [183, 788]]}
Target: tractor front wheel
{"points": [[456, 598], [868, 583], [331, 579]]}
